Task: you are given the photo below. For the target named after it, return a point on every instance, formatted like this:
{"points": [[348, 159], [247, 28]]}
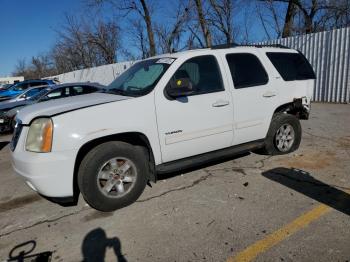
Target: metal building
{"points": [[329, 54]]}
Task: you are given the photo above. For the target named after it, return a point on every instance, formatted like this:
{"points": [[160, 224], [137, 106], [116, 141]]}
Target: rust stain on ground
{"points": [[18, 202], [96, 215], [310, 160], [344, 142]]}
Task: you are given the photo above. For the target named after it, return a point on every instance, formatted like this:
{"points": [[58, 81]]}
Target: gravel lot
{"points": [[286, 208]]}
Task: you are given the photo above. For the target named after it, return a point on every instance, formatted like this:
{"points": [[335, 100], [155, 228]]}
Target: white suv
{"points": [[163, 114]]}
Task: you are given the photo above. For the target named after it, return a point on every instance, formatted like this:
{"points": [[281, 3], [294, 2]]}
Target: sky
{"points": [[27, 27]]}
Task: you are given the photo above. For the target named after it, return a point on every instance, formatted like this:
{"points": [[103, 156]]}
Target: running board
{"points": [[197, 160]]}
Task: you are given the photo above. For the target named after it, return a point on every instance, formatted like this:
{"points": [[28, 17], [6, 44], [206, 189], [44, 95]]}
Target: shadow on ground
{"points": [[3, 144], [302, 182], [23, 252], [95, 245]]}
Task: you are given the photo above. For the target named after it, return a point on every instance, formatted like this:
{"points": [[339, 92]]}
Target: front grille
{"points": [[16, 135]]}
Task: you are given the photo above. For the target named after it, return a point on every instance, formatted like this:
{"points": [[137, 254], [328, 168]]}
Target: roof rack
{"points": [[223, 46]]}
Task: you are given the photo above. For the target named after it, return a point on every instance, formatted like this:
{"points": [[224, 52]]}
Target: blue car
{"points": [[20, 87]]}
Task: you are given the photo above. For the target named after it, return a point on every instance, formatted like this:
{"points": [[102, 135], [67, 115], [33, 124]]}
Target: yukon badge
{"points": [[173, 132]]}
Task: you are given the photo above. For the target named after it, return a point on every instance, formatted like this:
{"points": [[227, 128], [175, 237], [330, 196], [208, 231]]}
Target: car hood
{"points": [[7, 105], [5, 93], [65, 105]]}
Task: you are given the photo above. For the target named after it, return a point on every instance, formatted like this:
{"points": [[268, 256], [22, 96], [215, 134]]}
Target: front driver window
{"points": [[203, 72], [32, 92]]}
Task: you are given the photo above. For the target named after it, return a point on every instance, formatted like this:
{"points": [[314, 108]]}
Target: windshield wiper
{"points": [[116, 92]]}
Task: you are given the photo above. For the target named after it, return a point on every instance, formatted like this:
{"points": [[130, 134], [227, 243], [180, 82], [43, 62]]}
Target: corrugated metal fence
{"points": [[329, 54]]}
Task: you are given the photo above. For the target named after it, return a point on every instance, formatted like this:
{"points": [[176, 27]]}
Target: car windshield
{"points": [[141, 78], [17, 87], [6, 86], [30, 93], [37, 96]]}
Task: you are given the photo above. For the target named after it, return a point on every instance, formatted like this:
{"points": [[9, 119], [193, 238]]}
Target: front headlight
{"points": [[39, 138], [2, 117]]}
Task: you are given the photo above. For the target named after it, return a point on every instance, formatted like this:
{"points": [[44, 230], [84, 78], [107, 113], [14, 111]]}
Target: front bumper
{"points": [[49, 174]]}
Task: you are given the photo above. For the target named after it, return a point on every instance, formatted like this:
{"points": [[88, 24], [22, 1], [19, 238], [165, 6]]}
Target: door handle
{"points": [[269, 94], [221, 103]]}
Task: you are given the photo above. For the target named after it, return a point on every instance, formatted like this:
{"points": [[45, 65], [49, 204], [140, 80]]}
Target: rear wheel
{"points": [[113, 175], [284, 135]]}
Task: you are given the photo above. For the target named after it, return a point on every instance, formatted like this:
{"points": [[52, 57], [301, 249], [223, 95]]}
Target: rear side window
{"points": [[246, 70], [77, 90], [292, 66], [57, 93], [80, 90]]}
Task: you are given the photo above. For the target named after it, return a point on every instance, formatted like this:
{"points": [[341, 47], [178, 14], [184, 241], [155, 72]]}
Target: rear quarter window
{"points": [[291, 66]]}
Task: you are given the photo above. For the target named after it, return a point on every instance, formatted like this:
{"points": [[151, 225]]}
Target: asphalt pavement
{"points": [[284, 208]]}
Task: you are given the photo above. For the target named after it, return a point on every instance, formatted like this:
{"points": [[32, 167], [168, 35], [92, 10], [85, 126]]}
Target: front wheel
{"points": [[284, 135], [113, 175], [13, 124]]}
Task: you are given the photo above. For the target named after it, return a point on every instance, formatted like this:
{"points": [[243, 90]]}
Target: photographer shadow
{"points": [[95, 245], [302, 182]]}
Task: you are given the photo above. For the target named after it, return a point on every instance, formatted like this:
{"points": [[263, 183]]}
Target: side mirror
{"points": [[43, 99], [180, 87]]}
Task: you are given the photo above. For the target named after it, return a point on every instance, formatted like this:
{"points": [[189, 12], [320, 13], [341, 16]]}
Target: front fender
{"points": [[74, 129]]}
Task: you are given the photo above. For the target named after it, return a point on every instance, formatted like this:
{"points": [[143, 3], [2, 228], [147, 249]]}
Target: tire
{"points": [[277, 141], [12, 124], [104, 179]]}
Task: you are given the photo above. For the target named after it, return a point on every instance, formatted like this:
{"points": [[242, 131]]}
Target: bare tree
{"points": [[82, 45], [289, 19], [139, 7], [105, 38], [337, 15], [147, 17], [221, 18], [39, 67], [73, 44], [169, 37], [308, 16], [203, 23], [20, 68], [139, 38], [270, 18]]}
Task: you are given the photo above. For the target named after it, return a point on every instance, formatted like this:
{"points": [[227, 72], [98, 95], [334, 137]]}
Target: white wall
{"points": [[10, 79], [102, 74]]}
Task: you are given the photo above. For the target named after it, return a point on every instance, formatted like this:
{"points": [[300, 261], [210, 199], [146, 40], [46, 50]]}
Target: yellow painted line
{"points": [[279, 235]]}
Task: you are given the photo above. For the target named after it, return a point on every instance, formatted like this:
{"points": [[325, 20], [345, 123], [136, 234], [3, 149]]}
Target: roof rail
{"points": [[223, 46]]}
